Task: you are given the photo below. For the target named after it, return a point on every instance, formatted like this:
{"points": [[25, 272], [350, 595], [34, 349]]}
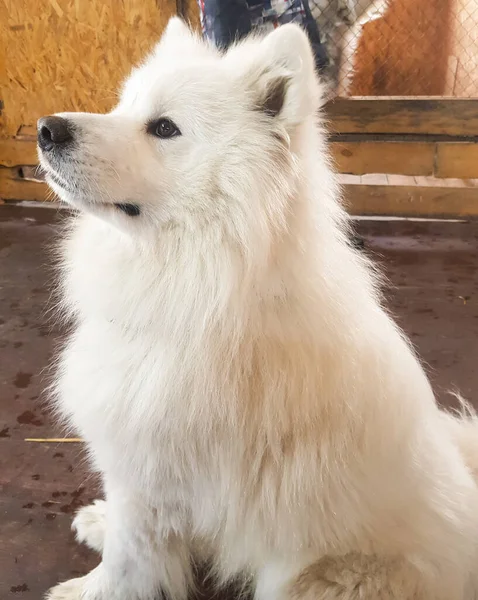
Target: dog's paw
{"points": [[89, 525], [69, 590]]}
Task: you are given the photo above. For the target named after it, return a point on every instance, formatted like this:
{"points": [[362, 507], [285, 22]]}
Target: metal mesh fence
{"points": [[399, 47]]}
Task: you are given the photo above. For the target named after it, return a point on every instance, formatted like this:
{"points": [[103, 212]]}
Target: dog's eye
{"points": [[163, 128]]}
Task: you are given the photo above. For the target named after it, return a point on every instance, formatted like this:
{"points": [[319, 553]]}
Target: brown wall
{"points": [[404, 52], [60, 55]]}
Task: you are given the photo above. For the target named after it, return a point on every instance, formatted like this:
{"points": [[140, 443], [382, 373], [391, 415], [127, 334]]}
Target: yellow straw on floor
{"points": [[54, 440]]}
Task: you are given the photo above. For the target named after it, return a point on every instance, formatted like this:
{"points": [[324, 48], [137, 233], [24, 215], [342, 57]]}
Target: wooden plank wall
{"points": [[422, 137], [426, 150], [421, 145], [425, 147]]}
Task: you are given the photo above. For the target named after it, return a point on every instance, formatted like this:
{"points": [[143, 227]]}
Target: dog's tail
{"points": [[463, 425]]}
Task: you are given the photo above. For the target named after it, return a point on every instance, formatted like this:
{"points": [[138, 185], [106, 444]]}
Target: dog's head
{"points": [[197, 135]]}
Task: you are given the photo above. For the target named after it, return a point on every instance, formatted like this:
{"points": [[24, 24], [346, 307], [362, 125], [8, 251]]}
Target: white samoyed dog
{"points": [[244, 395]]}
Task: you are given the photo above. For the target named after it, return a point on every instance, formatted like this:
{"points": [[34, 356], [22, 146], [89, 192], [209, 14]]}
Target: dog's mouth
{"points": [[128, 208], [59, 182]]}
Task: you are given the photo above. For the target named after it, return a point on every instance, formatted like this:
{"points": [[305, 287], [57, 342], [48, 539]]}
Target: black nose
{"points": [[54, 132]]}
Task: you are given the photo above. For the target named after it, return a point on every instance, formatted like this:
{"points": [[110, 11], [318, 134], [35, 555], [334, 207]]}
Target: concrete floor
{"points": [[433, 275]]}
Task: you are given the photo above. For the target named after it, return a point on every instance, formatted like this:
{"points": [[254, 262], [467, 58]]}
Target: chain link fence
{"points": [[399, 47], [369, 47]]}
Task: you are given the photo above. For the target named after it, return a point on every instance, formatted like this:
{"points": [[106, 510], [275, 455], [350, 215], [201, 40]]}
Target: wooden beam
{"points": [[15, 151], [401, 158], [411, 201], [459, 159], [27, 132], [15, 186], [353, 156], [453, 159], [408, 116], [361, 199]]}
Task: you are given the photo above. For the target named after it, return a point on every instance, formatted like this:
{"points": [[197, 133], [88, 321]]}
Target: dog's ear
{"points": [[178, 40], [176, 30], [282, 76]]}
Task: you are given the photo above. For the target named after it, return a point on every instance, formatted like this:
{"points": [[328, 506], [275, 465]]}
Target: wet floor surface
{"points": [[432, 289]]}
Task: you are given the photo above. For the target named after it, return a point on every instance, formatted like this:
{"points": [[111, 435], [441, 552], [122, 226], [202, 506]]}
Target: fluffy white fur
{"points": [[89, 525], [244, 395]]}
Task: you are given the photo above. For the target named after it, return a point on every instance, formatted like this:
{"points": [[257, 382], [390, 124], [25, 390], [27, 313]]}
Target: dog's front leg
{"points": [[145, 553]]}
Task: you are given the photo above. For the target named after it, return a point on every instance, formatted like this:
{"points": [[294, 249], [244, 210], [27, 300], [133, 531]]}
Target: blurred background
{"points": [[74, 53]]}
